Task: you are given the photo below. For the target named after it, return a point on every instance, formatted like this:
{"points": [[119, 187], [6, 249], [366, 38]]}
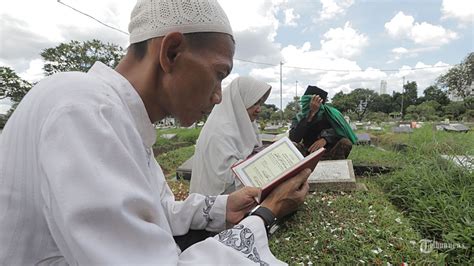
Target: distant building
{"points": [[383, 87]]}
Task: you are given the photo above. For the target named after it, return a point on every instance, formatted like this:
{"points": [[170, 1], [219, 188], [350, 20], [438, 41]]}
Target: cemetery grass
{"points": [[434, 194], [425, 197], [349, 228]]}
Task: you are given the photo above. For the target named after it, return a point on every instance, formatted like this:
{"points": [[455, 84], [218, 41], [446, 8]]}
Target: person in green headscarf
{"points": [[320, 125]]}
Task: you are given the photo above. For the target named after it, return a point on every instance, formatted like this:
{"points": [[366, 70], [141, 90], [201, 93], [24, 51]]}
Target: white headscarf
{"points": [[227, 137]]}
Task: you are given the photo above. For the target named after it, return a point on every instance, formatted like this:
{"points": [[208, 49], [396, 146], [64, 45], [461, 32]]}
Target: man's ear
{"points": [[172, 45]]}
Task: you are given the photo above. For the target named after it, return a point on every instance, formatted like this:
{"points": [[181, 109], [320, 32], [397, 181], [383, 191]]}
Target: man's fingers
{"points": [[302, 177], [252, 191]]}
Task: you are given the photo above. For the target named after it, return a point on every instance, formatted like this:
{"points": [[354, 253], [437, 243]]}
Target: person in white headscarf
{"points": [[230, 134]]}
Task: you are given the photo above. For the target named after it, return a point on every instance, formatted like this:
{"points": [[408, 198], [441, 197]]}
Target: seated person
{"points": [[229, 135], [319, 125]]}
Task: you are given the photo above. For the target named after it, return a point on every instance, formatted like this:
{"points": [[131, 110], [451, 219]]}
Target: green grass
{"points": [[436, 195], [425, 197], [369, 155], [341, 228], [171, 160], [184, 137]]}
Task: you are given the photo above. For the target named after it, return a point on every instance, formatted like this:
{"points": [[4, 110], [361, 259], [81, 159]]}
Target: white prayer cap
{"points": [[156, 18]]}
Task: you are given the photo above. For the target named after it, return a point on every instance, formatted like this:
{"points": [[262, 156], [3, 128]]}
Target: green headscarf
{"points": [[337, 121]]}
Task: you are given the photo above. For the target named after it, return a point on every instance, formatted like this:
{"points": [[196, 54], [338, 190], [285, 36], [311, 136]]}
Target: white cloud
{"points": [[404, 26], [400, 25], [45, 24], [229, 79], [316, 66], [5, 105], [401, 52], [255, 27], [462, 10], [344, 42], [35, 72], [331, 8], [425, 33], [291, 17]]}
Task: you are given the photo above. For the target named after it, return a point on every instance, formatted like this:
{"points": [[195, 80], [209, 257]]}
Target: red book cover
{"points": [[309, 161], [274, 165]]}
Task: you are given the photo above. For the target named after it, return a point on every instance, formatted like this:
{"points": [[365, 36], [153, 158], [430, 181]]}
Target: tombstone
{"points": [[403, 129], [270, 138], [440, 127], [333, 175], [273, 129], [363, 139], [375, 128], [353, 126], [463, 161], [168, 136], [456, 128], [184, 170]]}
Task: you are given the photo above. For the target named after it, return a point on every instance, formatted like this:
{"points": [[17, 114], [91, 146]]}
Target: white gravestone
{"points": [[333, 175]]}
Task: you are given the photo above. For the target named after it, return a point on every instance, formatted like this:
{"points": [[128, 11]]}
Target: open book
{"points": [[273, 165]]}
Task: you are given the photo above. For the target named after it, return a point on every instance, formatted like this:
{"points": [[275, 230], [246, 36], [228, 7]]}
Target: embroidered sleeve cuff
{"points": [[217, 214]]}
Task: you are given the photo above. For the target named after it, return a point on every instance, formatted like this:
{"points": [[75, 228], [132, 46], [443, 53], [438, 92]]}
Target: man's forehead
{"points": [[225, 49]]}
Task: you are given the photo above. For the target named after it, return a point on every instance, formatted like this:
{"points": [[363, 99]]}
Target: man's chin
{"points": [[186, 122]]}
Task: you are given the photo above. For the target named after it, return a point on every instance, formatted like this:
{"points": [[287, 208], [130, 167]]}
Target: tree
{"points": [[364, 99], [433, 93], [271, 106], [410, 94], [424, 111], [12, 86], [343, 102], [382, 103], [291, 109], [458, 79], [265, 113], [80, 56], [454, 110]]}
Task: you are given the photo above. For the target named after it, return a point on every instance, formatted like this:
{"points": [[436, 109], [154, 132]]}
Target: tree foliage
{"points": [[11, 85], [291, 109], [357, 102], [80, 56], [410, 93], [458, 79], [434, 93]]}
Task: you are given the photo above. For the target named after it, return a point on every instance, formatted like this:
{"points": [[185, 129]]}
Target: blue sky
{"points": [[362, 38]]}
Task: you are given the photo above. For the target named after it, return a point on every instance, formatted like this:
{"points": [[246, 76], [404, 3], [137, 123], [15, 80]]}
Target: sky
{"points": [[337, 45]]}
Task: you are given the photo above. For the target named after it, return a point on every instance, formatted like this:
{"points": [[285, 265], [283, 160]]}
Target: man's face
{"points": [[197, 83]]}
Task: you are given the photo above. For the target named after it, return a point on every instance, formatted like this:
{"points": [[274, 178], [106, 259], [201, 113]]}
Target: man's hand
{"points": [[317, 145], [314, 106], [286, 198], [240, 202]]}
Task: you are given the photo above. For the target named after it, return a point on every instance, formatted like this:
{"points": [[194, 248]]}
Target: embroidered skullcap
{"points": [[156, 18]]}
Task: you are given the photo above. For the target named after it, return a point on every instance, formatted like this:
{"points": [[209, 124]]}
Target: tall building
{"points": [[383, 87]]}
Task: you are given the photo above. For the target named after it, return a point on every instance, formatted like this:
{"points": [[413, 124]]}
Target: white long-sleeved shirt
{"points": [[79, 184]]}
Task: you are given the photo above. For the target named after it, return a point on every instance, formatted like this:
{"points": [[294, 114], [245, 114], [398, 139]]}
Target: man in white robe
{"points": [[78, 180]]}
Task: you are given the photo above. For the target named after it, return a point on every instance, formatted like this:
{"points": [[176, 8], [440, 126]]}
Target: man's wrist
{"points": [[269, 219]]}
